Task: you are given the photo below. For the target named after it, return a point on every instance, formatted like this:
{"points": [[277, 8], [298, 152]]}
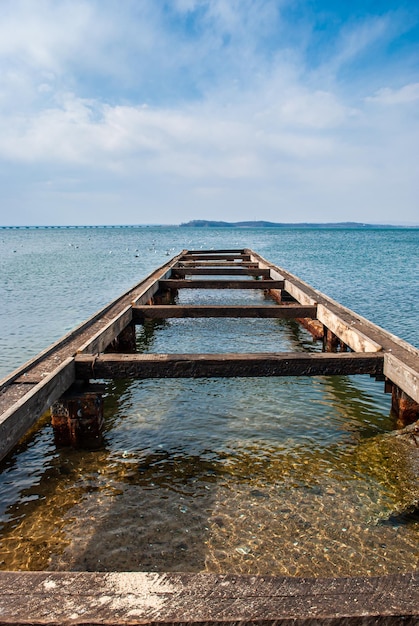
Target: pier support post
{"points": [[330, 341], [126, 341], [165, 296], [77, 419], [404, 407]]}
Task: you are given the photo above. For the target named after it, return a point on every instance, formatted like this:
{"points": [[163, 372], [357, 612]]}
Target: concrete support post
{"points": [[77, 419]]}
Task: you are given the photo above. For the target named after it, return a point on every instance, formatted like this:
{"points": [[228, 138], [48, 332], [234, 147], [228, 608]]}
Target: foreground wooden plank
{"points": [[111, 366], [291, 311], [173, 283], [205, 599]]}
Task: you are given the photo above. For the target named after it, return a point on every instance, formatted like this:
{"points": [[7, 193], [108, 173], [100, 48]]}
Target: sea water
{"points": [[294, 476]]}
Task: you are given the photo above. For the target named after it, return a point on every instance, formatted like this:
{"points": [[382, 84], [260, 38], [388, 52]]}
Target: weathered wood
{"points": [[20, 417], [172, 599], [194, 311], [403, 374], [220, 256], [173, 283], [231, 251], [109, 366], [105, 336], [237, 263], [220, 271], [352, 337]]}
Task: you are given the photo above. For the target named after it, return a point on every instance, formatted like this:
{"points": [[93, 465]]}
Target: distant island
{"points": [[263, 224]]}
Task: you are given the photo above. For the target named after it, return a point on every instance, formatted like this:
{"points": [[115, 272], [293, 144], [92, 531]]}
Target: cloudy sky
{"points": [[162, 111]]}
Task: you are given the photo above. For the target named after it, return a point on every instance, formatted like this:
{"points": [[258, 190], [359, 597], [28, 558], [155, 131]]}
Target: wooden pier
{"points": [[62, 377]]}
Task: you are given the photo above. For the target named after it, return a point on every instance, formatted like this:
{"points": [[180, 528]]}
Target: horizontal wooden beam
{"points": [[202, 599], [216, 256], [217, 264], [291, 311], [200, 253], [109, 366], [173, 283], [220, 271]]}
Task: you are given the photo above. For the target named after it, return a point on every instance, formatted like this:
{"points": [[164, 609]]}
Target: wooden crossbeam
{"points": [[172, 283], [216, 257], [237, 252], [110, 366], [218, 264], [220, 271], [291, 311]]}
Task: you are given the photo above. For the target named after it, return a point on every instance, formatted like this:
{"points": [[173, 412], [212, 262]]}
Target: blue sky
{"points": [[150, 111]]}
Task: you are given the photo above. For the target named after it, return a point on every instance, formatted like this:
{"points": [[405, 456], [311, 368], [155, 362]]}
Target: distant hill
{"points": [[263, 224]]}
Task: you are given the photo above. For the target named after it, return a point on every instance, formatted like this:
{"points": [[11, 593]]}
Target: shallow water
{"points": [[293, 476]]}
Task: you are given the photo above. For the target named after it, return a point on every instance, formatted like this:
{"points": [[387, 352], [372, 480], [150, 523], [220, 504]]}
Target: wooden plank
{"points": [[180, 599], [200, 253], [216, 257], [22, 415], [217, 264], [291, 311], [299, 294], [404, 375], [101, 340], [353, 337], [219, 271], [110, 366], [172, 283]]}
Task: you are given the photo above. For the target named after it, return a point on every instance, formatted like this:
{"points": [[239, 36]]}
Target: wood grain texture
{"points": [[93, 598], [195, 311], [110, 366]]}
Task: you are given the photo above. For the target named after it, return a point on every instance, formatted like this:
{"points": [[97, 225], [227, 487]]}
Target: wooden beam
{"points": [[101, 340], [220, 271], [291, 311], [199, 253], [217, 264], [216, 257], [109, 366], [206, 599], [172, 283], [22, 415], [351, 336], [404, 375]]}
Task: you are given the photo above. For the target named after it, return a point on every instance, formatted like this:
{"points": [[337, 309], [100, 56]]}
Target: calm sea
{"points": [[293, 476]]}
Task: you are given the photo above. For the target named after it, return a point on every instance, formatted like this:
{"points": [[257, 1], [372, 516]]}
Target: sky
{"points": [[160, 112]]}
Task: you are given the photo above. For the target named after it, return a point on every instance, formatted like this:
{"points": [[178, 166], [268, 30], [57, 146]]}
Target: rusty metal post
{"points": [[126, 341], [404, 407], [165, 296], [77, 419], [330, 341]]}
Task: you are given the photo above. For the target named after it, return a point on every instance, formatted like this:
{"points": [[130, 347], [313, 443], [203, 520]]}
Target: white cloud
{"points": [[405, 95], [120, 94]]}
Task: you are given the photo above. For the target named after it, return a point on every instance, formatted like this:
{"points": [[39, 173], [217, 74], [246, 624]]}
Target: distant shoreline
{"points": [[219, 224]]}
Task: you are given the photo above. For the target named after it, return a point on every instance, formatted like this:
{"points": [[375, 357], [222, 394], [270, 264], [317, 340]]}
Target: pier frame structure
{"points": [[103, 347]]}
